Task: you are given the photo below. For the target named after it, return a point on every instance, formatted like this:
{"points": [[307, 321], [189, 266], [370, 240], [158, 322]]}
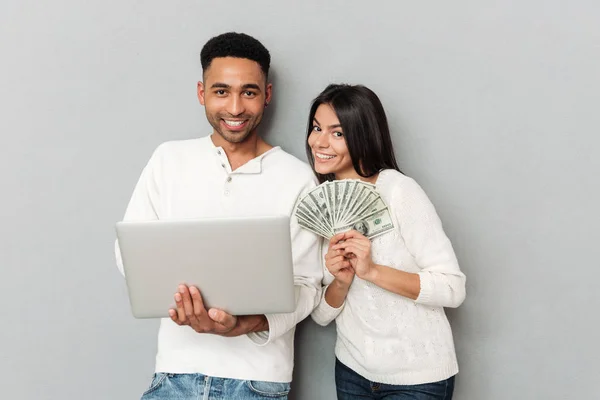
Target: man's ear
{"points": [[200, 91], [268, 93]]}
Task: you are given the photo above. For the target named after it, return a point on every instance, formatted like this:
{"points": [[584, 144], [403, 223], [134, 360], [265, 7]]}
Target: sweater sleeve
{"points": [[323, 314], [442, 282], [307, 283], [144, 202]]}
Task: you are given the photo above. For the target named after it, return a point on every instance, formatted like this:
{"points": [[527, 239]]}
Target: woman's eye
{"points": [[337, 134], [316, 128]]}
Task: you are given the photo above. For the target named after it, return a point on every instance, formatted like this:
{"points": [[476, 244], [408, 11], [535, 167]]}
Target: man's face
{"points": [[234, 94]]}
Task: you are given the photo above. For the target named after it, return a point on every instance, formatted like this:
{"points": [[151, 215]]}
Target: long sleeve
{"points": [[144, 202], [442, 282], [307, 285], [323, 314]]}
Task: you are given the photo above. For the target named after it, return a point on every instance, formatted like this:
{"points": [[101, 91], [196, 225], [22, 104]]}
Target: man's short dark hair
{"points": [[239, 45]]}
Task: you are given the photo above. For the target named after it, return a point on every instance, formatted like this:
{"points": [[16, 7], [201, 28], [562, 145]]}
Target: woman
{"points": [[386, 295]]}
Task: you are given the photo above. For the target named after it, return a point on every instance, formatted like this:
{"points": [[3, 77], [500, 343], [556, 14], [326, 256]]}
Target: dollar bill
{"points": [[366, 200], [329, 195], [372, 208], [318, 198], [307, 216], [349, 193], [371, 226], [341, 205], [339, 190], [312, 227], [311, 214], [356, 201]]}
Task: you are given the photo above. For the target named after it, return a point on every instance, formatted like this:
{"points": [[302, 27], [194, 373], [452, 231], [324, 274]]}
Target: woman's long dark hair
{"points": [[365, 127]]}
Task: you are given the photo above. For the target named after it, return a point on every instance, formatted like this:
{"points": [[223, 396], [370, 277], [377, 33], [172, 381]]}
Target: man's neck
{"points": [[239, 154]]}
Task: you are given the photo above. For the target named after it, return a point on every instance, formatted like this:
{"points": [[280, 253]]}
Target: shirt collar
{"points": [[253, 166]]}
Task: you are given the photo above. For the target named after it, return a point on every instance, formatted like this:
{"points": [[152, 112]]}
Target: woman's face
{"points": [[329, 148]]}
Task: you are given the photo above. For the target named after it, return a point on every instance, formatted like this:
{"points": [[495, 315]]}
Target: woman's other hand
{"points": [[356, 249], [337, 264]]}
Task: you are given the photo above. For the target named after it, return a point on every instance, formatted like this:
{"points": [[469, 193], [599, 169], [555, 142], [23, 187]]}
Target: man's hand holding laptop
{"points": [[192, 312]]}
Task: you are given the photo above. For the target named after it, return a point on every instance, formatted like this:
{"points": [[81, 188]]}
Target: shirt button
{"points": [[227, 193], [223, 165], [228, 179]]}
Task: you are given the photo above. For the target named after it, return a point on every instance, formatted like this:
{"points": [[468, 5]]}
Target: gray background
{"points": [[493, 107]]}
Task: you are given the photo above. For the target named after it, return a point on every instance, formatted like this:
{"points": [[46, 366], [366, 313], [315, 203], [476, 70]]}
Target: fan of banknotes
{"points": [[342, 205]]}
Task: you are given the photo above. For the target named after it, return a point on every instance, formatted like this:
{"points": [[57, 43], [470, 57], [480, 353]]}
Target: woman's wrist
{"points": [[372, 274], [341, 286], [336, 293]]}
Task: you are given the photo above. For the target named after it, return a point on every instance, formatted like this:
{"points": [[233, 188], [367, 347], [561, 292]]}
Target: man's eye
{"points": [[316, 128], [249, 93], [220, 92]]}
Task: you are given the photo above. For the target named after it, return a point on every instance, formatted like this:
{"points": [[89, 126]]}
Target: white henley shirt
{"points": [[193, 179]]}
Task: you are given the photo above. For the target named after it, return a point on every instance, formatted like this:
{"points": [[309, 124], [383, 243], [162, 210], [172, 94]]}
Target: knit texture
{"points": [[386, 337]]}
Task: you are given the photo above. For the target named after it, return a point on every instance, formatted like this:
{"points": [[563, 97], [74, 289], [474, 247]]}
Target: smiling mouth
{"points": [[234, 123], [322, 156]]}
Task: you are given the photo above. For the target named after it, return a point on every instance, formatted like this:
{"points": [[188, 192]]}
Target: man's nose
{"points": [[235, 106]]}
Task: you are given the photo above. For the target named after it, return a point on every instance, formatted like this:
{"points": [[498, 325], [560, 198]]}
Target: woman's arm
{"points": [[440, 281], [357, 249], [334, 296], [404, 283], [336, 293]]}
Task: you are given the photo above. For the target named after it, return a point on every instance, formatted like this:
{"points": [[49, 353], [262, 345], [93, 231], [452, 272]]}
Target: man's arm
{"points": [[308, 274], [144, 202], [261, 329]]}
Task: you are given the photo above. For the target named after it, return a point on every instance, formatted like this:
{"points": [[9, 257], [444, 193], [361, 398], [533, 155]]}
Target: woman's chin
{"points": [[323, 171]]}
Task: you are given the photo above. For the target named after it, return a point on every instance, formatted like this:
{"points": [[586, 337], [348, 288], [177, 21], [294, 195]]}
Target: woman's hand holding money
{"points": [[343, 272], [338, 265], [356, 248]]}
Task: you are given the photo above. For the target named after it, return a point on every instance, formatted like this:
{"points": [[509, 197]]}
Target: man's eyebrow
{"points": [[220, 85], [251, 86]]}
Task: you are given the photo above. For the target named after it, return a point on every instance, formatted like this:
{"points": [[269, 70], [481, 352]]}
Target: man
{"points": [[209, 354]]}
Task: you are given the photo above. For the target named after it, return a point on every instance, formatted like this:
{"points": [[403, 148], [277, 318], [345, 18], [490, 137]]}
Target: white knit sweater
{"points": [[386, 337]]}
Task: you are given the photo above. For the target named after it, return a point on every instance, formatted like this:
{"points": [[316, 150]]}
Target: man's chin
{"points": [[234, 137]]}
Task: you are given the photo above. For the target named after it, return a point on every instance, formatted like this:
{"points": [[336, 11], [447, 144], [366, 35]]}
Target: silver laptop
{"points": [[241, 265]]}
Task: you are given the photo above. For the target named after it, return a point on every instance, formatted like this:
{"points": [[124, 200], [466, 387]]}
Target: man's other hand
{"points": [[191, 311]]}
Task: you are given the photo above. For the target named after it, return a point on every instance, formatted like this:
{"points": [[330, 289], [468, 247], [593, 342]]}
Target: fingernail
{"points": [[181, 289], [212, 313], [177, 297]]}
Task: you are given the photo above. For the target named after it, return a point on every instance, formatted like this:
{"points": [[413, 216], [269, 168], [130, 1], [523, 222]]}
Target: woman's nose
{"points": [[322, 140]]}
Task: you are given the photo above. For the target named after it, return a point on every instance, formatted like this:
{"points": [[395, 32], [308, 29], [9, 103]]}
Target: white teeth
{"points": [[234, 123], [324, 156]]}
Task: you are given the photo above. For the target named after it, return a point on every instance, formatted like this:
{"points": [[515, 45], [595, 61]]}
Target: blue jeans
{"points": [[200, 387], [352, 386]]}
